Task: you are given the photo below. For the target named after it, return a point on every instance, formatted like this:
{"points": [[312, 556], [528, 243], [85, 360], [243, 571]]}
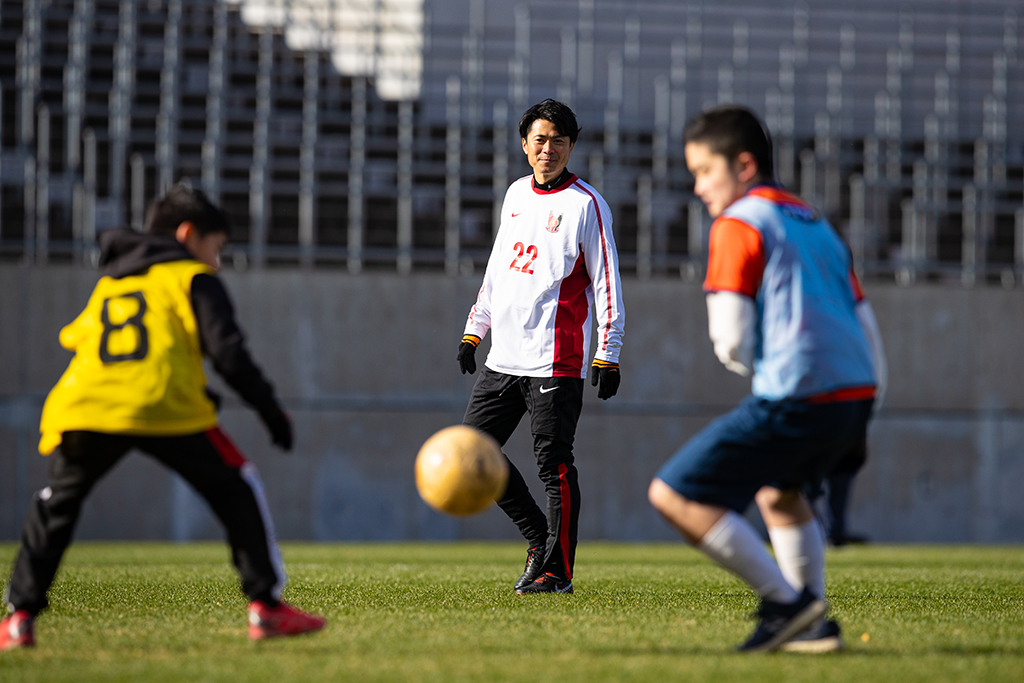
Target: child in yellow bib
{"points": [[138, 365], [137, 382]]}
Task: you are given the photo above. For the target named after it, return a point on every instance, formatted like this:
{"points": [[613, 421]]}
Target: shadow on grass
{"points": [[856, 653], [868, 653]]}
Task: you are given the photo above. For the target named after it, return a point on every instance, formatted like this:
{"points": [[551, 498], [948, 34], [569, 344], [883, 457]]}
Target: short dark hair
{"points": [[185, 203], [554, 111], [730, 130]]}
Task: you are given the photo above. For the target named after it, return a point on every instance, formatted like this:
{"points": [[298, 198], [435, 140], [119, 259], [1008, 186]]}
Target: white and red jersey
{"points": [[553, 264]]}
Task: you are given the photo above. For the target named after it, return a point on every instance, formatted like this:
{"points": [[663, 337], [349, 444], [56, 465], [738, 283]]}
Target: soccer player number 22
{"points": [[122, 305], [524, 267]]}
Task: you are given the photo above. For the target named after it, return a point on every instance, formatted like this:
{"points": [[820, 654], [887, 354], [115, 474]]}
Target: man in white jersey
{"points": [[553, 266]]}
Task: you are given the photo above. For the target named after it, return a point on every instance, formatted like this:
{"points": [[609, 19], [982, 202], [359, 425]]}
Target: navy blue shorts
{"points": [[787, 444]]}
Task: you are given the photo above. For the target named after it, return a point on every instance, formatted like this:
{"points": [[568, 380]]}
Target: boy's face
{"points": [[719, 183], [204, 248]]}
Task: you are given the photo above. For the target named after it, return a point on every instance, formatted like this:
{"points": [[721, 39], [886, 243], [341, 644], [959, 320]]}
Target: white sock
{"points": [[733, 543], [800, 552]]}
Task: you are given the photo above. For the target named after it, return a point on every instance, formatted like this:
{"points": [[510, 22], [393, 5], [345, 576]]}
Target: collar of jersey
{"points": [[125, 252], [777, 195], [557, 188]]}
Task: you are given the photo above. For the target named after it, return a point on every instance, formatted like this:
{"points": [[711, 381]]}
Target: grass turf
{"points": [[445, 612]]}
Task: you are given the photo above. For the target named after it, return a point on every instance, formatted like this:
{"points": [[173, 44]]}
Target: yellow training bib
{"points": [[138, 365]]}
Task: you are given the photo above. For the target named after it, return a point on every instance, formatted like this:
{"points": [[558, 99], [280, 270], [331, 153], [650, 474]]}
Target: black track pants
{"points": [[208, 461], [496, 406]]}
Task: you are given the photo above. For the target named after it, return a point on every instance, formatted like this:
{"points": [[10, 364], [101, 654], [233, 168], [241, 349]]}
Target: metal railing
{"points": [[894, 122]]}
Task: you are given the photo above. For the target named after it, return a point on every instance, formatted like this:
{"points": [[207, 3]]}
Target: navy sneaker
{"points": [[546, 583], [780, 622], [534, 566], [825, 637]]}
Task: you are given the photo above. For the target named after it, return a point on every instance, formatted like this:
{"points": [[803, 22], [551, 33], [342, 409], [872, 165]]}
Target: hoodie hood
{"points": [[125, 252]]}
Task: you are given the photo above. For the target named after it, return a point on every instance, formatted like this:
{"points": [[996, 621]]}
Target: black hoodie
{"points": [[125, 252]]}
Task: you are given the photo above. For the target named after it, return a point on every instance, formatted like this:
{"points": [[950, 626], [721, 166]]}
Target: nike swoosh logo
{"points": [[516, 214], [547, 390]]}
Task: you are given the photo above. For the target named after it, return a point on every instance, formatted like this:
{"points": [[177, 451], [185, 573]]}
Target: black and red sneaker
{"points": [[17, 630], [534, 566], [546, 583], [283, 620]]}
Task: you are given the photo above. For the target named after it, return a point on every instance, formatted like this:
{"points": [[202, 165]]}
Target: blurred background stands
{"points": [[382, 134]]}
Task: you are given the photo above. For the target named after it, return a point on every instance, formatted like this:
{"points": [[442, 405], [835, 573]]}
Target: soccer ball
{"points": [[460, 471]]}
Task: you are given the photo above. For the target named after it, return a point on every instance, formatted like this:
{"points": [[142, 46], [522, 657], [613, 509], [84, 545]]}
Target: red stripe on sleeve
{"points": [[607, 266], [472, 311], [735, 258], [229, 453]]}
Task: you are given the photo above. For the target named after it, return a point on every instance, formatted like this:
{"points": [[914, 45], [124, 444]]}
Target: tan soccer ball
{"points": [[460, 471]]}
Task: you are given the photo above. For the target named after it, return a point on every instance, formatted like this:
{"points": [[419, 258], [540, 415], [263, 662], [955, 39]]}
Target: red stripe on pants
{"points": [[563, 531], [229, 453]]}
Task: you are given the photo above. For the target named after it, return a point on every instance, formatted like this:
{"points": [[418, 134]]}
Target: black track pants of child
{"points": [[208, 461], [498, 403]]}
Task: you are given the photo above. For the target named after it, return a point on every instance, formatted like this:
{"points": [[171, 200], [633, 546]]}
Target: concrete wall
{"points": [[366, 366]]}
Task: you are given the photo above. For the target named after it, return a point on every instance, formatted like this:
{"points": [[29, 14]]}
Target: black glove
{"points": [[467, 353], [279, 425], [605, 376]]}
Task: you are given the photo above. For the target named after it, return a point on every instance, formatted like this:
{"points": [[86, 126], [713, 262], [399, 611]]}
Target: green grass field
{"points": [[445, 612]]}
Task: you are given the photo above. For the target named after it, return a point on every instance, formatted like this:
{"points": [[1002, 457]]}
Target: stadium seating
{"points": [[386, 140]]}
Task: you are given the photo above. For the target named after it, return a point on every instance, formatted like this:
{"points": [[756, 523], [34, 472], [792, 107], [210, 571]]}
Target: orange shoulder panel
{"points": [[735, 258], [777, 195]]}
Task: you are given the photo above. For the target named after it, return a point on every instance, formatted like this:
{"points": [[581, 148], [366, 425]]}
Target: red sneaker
{"points": [[17, 630], [283, 620]]}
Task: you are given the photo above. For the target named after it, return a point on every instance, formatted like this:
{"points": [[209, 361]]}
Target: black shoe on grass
{"points": [[546, 583], [780, 622], [839, 541], [534, 566], [825, 637]]}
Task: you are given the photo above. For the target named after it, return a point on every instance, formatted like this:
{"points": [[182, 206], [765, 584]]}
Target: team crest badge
{"points": [[553, 222]]}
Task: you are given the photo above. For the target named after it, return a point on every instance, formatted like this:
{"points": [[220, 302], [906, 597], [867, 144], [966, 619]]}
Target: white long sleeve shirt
{"points": [[553, 265]]}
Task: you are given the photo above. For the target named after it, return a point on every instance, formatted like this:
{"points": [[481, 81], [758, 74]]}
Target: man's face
{"points": [[547, 150], [718, 183]]}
